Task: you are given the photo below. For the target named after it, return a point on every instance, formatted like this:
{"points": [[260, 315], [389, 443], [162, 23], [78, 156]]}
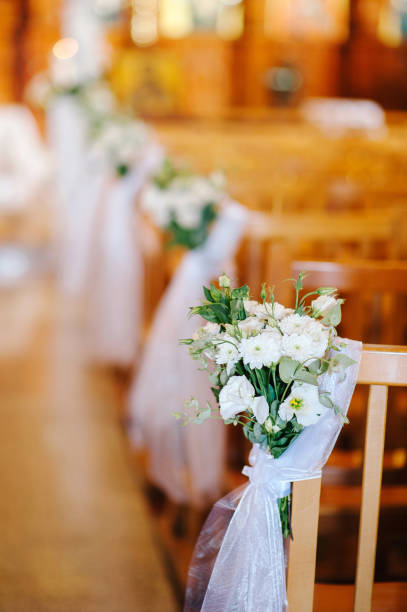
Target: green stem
{"points": [[273, 371]]}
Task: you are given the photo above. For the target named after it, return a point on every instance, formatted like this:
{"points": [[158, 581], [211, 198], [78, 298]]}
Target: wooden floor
{"points": [[75, 534]]}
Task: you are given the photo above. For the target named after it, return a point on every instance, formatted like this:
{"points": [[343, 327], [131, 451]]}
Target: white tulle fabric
{"points": [[25, 166], [68, 138], [238, 562], [186, 462], [116, 283]]}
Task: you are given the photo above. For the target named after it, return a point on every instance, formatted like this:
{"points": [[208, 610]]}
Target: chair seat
{"points": [[387, 597]]}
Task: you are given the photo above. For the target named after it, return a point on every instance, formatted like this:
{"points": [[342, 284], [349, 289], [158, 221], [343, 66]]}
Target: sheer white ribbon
{"points": [[67, 135], [116, 286], [238, 562], [186, 462]]}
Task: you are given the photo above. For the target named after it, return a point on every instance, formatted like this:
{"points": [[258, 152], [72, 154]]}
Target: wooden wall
{"points": [[205, 75]]}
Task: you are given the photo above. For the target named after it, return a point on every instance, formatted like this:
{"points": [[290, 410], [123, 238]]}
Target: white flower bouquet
{"points": [[122, 141], [265, 360], [183, 204]]}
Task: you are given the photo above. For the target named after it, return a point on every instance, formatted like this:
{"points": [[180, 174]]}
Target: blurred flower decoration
{"points": [[183, 204]]}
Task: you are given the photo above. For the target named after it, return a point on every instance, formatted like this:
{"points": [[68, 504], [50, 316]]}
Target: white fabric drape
{"points": [[116, 283], [186, 462], [238, 563]]}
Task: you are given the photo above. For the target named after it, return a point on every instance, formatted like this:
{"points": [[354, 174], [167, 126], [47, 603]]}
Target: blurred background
{"points": [[302, 104]]}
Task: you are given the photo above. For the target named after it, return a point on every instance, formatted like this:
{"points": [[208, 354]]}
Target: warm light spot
{"points": [[399, 458], [144, 22], [65, 48], [175, 18]]}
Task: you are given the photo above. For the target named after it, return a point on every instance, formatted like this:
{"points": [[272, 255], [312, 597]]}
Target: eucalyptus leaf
{"points": [[223, 377], [315, 366], [304, 376], [333, 315], [274, 409], [325, 400], [339, 362], [286, 369]]}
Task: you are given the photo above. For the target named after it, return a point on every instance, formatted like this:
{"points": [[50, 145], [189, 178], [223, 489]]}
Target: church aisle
{"points": [[74, 530]]}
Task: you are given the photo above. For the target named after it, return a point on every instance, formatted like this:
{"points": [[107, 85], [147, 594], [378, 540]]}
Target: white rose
{"points": [[322, 304], [236, 396], [227, 352], [260, 408], [261, 350], [303, 402], [250, 325]]}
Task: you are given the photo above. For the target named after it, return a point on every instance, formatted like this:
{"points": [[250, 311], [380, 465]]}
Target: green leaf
{"points": [[315, 366], [208, 294], [274, 408], [216, 294], [216, 313], [303, 375], [286, 369], [241, 292], [203, 414], [259, 436], [339, 362], [223, 377], [333, 315], [325, 400], [237, 310]]}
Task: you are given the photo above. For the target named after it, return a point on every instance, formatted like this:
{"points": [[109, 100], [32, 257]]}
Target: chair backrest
{"points": [[381, 367], [273, 242], [375, 291]]}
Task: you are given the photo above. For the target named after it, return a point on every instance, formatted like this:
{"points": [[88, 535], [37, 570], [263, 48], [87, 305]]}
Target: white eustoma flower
{"points": [[303, 402], [250, 325], [236, 396], [260, 408], [211, 329], [261, 350], [250, 306], [322, 304], [227, 352]]}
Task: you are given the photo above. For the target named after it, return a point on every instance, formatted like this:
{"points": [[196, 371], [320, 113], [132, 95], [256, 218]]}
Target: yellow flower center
{"points": [[296, 403]]}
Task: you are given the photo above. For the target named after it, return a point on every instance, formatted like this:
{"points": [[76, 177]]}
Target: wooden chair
{"points": [[381, 367], [375, 292], [274, 241]]}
